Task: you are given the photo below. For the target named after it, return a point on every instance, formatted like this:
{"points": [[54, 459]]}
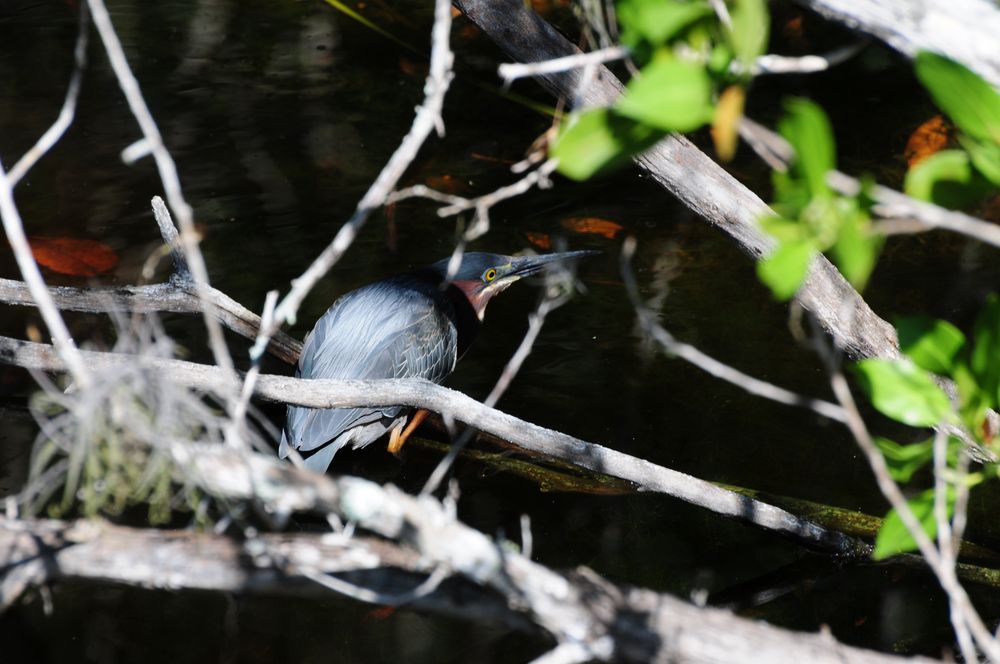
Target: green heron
{"points": [[415, 325]]}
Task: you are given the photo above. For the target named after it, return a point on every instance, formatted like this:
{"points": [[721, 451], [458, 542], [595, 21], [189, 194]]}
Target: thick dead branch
{"points": [[698, 182], [433, 397], [963, 30], [494, 585]]}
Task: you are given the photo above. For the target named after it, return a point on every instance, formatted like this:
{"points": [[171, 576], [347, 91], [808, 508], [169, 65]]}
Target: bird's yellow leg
{"points": [[397, 439]]}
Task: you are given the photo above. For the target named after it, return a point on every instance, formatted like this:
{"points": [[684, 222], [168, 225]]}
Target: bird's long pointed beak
{"points": [[528, 265]]}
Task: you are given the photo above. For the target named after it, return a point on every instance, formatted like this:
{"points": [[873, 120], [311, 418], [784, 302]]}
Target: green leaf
{"points": [[657, 21], [671, 95], [931, 344], [903, 391], [856, 249], [784, 230], [985, 157], [905, 460], [599, 139], [969, 101], [945, 178], [751, 24], [893, 537], [807, 128], [985, 358], [785, 269]]}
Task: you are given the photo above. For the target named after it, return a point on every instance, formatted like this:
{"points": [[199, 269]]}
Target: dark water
{"points": [[279, 115]]}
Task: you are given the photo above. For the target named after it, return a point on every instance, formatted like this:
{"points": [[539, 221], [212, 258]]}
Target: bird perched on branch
{"points": [[415, 325]]}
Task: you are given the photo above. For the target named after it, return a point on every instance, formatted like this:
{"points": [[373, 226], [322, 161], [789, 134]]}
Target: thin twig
{"points": [[802, 64], [14, 229], [510, 72], [171, 184], [68, 110], [553, 298], [482, 204], [427, 120], [945, 574], [710, 365], [890, 204]]}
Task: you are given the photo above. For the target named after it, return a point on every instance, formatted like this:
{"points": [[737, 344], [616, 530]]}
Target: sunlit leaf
{"points": [[599, 139], [930, 137], [785, 269], [671, 95], [985, 157], [751, 25], [656, 21], [856, 249], [985, 357], [903, 391], [894, 537], [72, 256], [972, 103], [592, 226], [807, 128], [905, 460], [945, 178], [931, 344], [725, 125]]}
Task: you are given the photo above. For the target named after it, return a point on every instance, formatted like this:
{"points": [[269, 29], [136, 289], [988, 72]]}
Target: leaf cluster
{"points": [[958, 177], [685, 53], [907, 391], [812, 218]]}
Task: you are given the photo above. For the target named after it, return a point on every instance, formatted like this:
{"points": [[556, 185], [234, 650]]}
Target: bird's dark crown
{"points": [[474, 265]]}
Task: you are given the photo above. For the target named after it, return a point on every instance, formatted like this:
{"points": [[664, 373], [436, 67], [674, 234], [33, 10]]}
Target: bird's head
{"points": [[480, 276]]}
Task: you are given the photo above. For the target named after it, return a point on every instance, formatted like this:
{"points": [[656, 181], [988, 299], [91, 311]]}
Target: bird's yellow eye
{"points": [[489, 275]]}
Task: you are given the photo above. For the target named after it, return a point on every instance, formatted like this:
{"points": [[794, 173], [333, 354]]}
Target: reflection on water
{"points": [[279, 115]]}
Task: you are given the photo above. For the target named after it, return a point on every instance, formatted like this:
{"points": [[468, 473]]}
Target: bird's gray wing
{"points": [[385, 330]]}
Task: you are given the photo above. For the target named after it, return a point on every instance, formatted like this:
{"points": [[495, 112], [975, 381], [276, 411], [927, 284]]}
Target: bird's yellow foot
{"points": [[397, 438]]}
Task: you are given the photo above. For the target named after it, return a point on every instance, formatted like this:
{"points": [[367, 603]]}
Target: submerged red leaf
{"points": [[72, 256]]}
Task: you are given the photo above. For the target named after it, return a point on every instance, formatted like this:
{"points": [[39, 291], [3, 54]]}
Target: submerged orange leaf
{"points": [[593, 226], [930, 137], [449, 184], [72, 256], [540, 240]]}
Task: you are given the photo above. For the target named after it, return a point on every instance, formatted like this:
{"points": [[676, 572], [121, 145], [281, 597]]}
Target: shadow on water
{"points": [[279, 116]]}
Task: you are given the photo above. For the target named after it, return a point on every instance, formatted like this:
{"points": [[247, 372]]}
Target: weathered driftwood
{"points": [[964, 30], [450, 403], [690, 175]]}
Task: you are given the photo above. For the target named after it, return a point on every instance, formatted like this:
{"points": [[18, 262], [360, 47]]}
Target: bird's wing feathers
{"points": [[380, 331]]}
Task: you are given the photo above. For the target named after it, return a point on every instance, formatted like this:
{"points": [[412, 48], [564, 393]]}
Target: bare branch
{"points": [[430, 396], [175, 296]]}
